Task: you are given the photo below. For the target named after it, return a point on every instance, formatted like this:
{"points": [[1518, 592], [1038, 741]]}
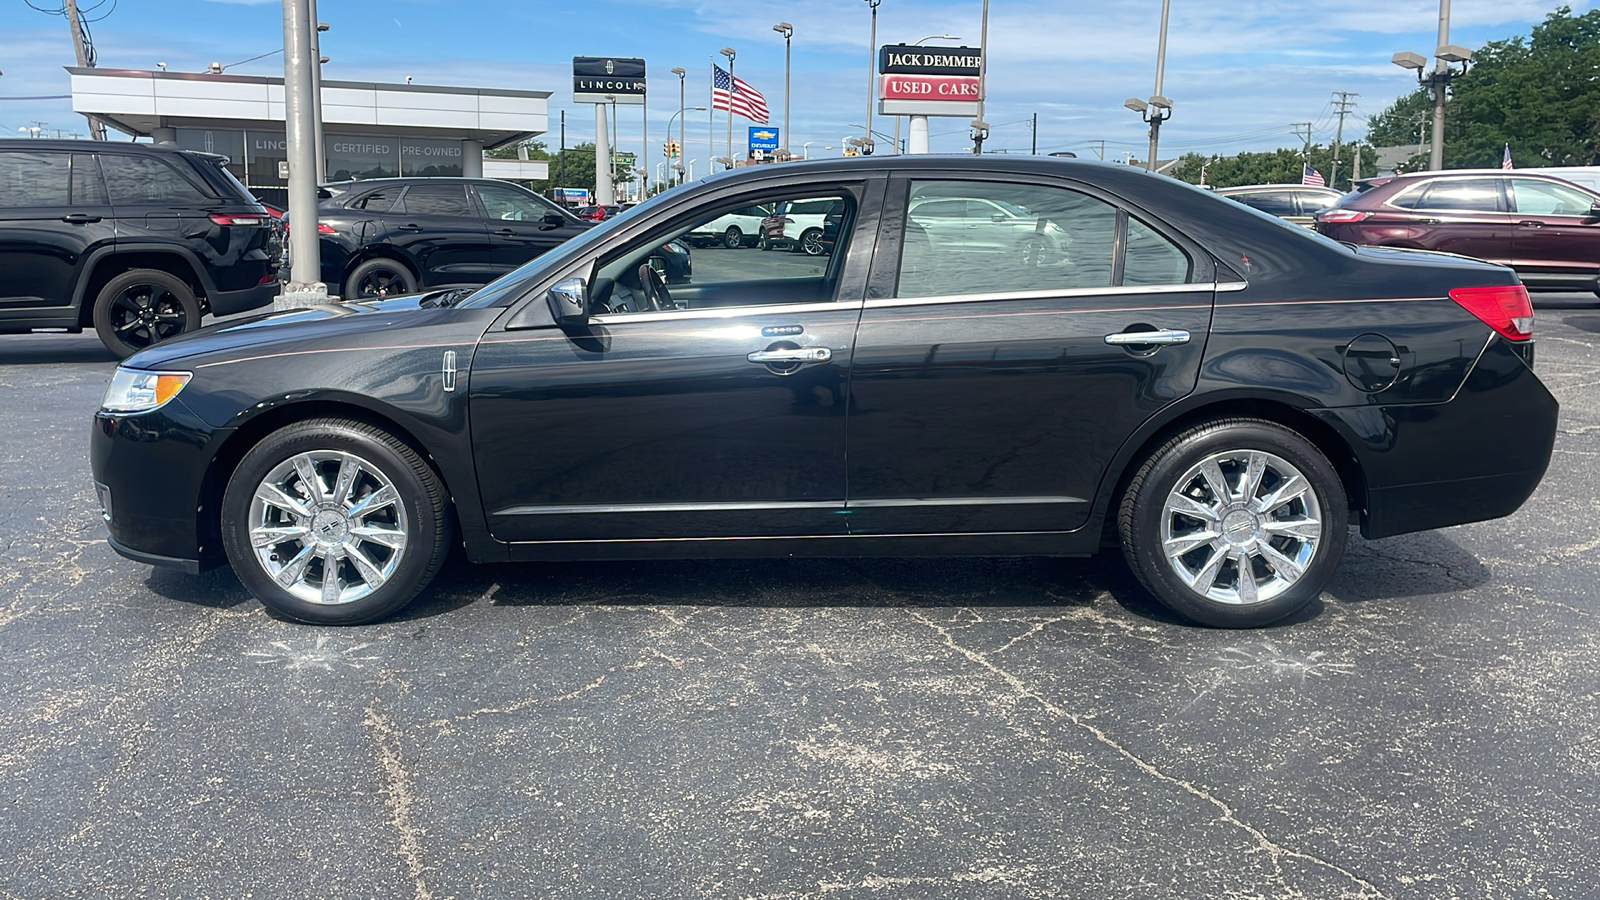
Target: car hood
{"points": [[341, 324]]}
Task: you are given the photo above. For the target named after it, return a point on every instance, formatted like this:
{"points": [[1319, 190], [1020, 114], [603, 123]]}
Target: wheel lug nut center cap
{"points": [[1239, 527], [329, 526]]}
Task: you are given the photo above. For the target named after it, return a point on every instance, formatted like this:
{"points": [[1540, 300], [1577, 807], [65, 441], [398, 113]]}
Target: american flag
{"points": [[1505, 161], [1311, 176], [734, 95]]}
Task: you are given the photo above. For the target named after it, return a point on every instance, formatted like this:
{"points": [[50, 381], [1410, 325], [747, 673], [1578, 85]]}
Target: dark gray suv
{"points": [[133, 240]]}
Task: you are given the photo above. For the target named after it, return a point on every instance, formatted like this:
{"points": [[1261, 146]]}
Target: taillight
{"points": [[1341, 215], [1505, 308], [222, 219], [322, 228]]}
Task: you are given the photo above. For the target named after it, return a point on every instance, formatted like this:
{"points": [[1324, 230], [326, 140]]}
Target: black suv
{"points": [[134, 240], [390, 236]]}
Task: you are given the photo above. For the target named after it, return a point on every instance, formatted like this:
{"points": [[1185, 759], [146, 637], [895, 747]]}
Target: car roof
{"points": [[1276, 187], [93, 146]]}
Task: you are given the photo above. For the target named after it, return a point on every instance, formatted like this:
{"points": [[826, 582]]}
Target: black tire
{"points": [[810, 243], [421, 515], [141, 307], [378, 278], [1144, 513], [733, 238]]}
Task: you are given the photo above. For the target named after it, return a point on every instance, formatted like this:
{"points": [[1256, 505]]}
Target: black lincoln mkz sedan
{"points": [[1219, 391]]}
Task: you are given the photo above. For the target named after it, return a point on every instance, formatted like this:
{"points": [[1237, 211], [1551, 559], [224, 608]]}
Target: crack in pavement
{"points": [[398, 796], [1272, 848]]}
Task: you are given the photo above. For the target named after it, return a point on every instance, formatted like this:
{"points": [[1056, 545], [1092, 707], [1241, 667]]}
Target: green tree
{"points": [[578, 172], [1281, 166], [1539, 94]]}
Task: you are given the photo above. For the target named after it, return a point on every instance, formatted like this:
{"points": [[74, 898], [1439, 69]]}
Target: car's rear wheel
{"points": [[811, 242], [1235, 523], [733, 238], [334, 522], [141, 307], [377, 278]]}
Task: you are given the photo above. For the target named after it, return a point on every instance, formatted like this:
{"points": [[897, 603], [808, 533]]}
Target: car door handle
{"points": [[797, 355], [80, 218], [1532, 224], [1164, 336], [408, 228], [505, 232]]}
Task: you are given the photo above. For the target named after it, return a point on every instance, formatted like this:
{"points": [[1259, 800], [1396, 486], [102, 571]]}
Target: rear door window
{"points": [[381, 200], [1462, 195], [438, 200], [146, 180], [1276, 203]]}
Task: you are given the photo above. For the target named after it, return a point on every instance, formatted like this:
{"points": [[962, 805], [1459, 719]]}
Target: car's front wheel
{"points": [[334, 522], [1235, 523], [733, 238]]}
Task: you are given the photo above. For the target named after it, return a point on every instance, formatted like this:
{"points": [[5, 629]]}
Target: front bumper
{"points": [[152, 474]]}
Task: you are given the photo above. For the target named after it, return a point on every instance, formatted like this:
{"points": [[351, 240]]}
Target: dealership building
{"points": [[370, 130]]}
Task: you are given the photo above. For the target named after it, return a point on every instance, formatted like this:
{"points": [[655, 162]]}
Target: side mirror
{"points": [[569, 302], [1594, 210]]}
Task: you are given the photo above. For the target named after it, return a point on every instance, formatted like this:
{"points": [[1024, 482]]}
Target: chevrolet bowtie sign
{"points": [[608, 79]]}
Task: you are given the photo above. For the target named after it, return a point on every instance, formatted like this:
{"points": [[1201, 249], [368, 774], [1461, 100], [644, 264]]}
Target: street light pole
{"points": [[787, 30], [305, 258], [1161, 65], [678, 166], [1441, 85], [980, 128], [872, 78], [732, 85], [1445, 55]]}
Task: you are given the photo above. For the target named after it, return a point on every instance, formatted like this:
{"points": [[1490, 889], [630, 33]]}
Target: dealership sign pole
{"points": [[927, 81], [601, 80]]}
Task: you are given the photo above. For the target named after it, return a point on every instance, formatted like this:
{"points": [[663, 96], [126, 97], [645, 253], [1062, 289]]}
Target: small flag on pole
{"points": [[737, 96], [1311, 176], [1505, 161]]}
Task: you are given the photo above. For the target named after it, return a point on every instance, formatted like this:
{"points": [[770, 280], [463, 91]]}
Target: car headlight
{"points": [[134, 391]]}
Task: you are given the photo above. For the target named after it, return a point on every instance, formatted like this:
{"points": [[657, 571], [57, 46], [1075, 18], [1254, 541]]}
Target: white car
{"points": [[802, 225], [740, 228], [981, 223]]}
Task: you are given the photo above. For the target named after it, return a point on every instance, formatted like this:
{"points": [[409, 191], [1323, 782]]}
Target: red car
{"points": [[597, 213], [1545, 228]]}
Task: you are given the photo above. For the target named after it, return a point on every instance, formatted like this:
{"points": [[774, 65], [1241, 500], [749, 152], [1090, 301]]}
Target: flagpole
{"points": [[732, 86], [711, 119]]}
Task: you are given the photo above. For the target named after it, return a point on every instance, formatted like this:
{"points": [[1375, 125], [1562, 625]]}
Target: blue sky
{"points": [[1239, 71]]}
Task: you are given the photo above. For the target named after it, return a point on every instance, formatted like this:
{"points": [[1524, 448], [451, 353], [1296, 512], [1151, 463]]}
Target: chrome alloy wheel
{"points": [[1241, 526], [327, 527]]}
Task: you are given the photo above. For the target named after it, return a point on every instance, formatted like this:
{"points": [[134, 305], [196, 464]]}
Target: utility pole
{"points": [[1355, 173], [80, 47], [1035, 149], [1307, 126], [980, 128], [1343, 103], [1102, 150], [561, 165]]}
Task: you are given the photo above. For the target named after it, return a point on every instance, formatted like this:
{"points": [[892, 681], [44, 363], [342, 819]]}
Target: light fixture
{"points": [[1453, 53], [1135, 104], [1408, 60], [1160, 102]]}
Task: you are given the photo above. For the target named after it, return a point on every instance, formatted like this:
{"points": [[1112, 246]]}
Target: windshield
{"points": [[513, 284]]}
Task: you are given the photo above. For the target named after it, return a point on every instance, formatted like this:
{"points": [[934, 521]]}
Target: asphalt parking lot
{"points": [[798, 729]]}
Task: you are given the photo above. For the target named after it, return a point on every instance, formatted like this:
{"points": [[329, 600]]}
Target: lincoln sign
{"points": [[928, 81], [607, 79]]}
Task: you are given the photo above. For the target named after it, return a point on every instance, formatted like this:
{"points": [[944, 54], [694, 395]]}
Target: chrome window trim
{"points": [[1123, 290], [725, 312]]}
